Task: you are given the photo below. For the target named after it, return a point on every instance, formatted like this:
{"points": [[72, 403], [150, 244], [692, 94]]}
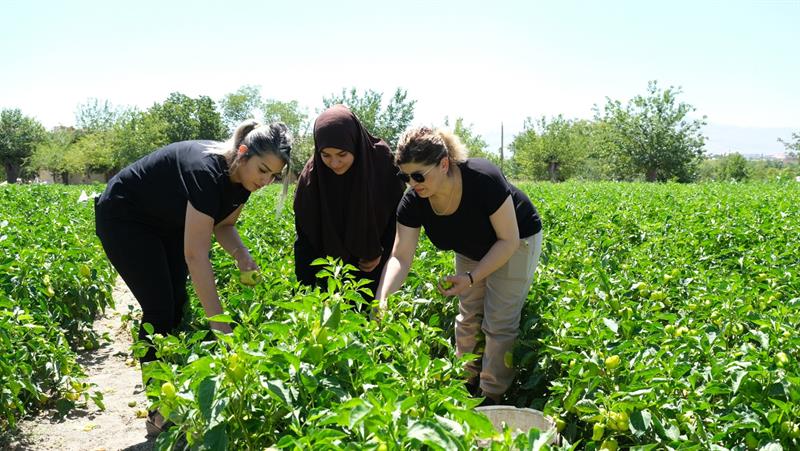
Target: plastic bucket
{"points": [[519, 420]]}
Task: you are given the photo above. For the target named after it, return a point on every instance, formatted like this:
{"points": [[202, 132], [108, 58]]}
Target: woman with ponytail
{"points": [[156, 219], [467, 205], [346, 199]]}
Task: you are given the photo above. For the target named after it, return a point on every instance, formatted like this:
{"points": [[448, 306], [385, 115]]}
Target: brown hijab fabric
{"points": [[345, 215]]}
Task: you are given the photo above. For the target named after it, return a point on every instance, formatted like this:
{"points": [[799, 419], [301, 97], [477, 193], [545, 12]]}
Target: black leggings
{"points": [[153, 266]]}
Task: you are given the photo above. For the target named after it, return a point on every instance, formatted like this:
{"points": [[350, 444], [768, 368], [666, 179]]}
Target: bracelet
{"points": [[471, 280]]}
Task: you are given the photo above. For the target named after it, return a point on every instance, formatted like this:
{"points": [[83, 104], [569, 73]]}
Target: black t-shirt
{"points": [[154, 189], [469, 230]]}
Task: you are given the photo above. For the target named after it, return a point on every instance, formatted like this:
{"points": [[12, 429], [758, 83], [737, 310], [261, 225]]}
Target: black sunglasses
{"points": [[418, 177]]}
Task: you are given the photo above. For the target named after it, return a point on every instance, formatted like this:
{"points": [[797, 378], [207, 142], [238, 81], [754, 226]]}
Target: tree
{"points": [[553, 149], [240, 105], [19, 136], [296, 118], [93, 152], [186, 118], [386, 124], [793, 145], [603, 160], [474, 143], [95, 116], [51, 153], [654, 132], [734, 167], [137, 134]]}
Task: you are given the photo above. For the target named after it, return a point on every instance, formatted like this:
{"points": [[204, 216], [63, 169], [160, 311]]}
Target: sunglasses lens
{"points": [[419, 178]]}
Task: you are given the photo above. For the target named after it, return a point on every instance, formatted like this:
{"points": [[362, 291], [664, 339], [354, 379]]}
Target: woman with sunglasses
{"points": [[467, 205], [346, 199], [157, 216]]}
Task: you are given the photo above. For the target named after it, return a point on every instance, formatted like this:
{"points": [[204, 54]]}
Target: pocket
{"points": [[518, 266]]}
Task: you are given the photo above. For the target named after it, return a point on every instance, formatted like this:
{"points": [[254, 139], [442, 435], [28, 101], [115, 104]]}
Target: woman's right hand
{"points": [[244, 260], [377, 312]]}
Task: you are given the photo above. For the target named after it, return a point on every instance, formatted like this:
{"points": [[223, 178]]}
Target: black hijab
{"points": [[345, 215]]}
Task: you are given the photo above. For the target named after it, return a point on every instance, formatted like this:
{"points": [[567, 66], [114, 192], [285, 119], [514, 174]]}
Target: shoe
{"points": [[156, 424]]}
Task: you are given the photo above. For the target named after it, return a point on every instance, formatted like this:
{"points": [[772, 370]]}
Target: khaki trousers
{"points": [[493, 306]]}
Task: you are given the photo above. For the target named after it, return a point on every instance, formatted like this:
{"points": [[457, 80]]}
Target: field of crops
{"points": [[662, 316], [54, 278]]}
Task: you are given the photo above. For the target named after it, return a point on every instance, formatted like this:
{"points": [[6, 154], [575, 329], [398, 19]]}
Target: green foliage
{"points": [[387, 123], [474, 143], [305, 370], [51, 153], [771, 170], [687, 285], [240, 105], [793, 145], [551, 150], [94, 116], [733, 167], [296, 118], [670, 323], [188, 118], [19, 136], [137, 134], [654, 134], [93, 152], [54, 280]]}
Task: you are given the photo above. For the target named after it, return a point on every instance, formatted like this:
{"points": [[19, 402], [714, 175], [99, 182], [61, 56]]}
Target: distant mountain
{"points": [[749, 141]]}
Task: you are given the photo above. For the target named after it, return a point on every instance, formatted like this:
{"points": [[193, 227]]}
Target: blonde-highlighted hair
{"points": [[425, 145]]}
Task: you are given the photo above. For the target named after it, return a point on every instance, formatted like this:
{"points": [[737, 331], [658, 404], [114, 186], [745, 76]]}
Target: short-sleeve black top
{"points": [[469, 230], [154, 189]]}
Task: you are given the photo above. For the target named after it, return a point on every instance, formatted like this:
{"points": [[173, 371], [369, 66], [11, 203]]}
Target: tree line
{"points": [[651, 137]]}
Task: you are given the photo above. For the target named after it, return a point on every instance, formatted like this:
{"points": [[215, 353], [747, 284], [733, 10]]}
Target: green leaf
{"points": [[221, 318], [216, 438], [432, 434], [641, 422], [738, 376], [205, 396], [278, 391], [358, 413], [611, 324], [476, 421], [331, 316]]}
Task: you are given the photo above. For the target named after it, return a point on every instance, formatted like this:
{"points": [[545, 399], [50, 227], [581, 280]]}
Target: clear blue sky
{"points": [[736, 61]]}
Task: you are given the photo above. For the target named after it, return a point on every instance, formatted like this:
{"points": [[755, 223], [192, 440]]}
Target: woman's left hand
{"points": [[460, 284]]}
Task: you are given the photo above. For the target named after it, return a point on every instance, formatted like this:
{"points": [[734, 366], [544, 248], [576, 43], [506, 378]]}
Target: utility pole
{"points": [[501, 146]]}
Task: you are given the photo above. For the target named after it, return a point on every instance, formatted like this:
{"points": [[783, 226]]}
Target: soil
{"points": [[87, 428]]}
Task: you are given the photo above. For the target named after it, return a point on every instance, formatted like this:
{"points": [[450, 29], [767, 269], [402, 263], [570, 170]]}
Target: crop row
{"points": [[662, 317], [54, 279]]}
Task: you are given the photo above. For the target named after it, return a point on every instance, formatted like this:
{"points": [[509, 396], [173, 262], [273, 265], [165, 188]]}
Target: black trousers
{"points": [[153, 266]]}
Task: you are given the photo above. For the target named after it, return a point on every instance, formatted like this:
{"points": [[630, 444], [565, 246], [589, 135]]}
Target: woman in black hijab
{"points": [[346, 199]]}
